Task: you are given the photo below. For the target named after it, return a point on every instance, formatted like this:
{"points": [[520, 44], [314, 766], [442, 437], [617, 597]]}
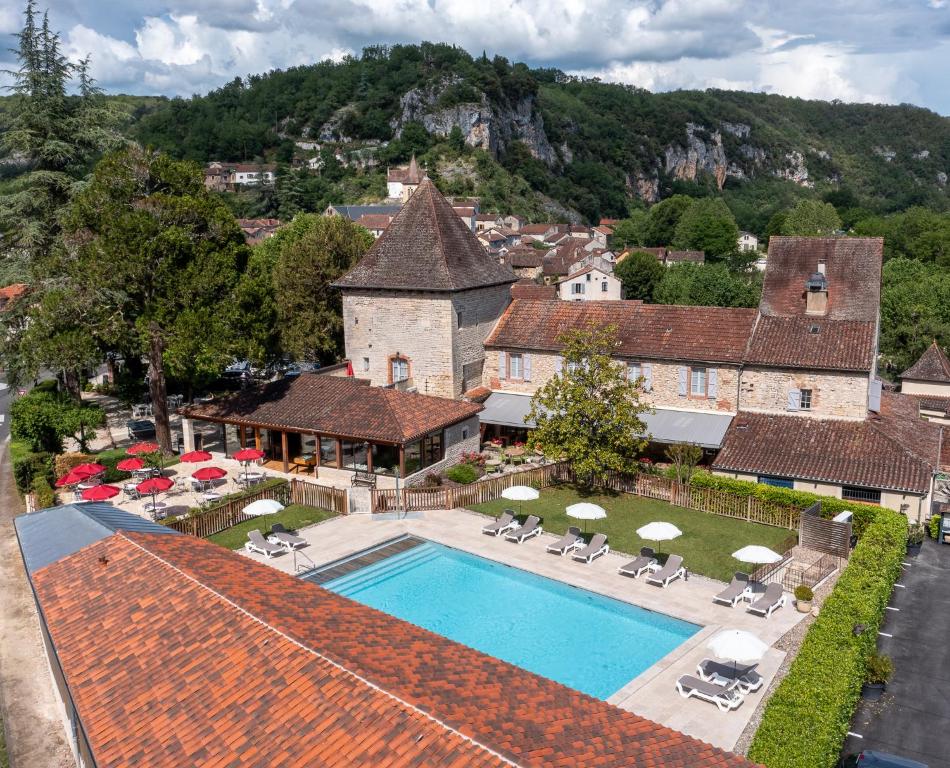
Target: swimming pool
{"points": [[584, 640]]}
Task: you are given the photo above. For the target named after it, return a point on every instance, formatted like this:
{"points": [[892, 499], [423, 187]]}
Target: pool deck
{"points": [[652, 694]]}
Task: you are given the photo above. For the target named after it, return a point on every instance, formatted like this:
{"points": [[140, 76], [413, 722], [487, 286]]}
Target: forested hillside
{"points": [[544, 143]]}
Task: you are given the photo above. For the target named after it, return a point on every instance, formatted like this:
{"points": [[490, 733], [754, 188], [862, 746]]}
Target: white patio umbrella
{"points": [[263, 507], [658, 532], [756, 555], [586, 511], [520, 493], [737, 646]]}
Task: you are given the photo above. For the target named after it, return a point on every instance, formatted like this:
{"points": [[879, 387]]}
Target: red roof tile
{"points": [[191, 654], [813, 343], [933, 365], [896, 450], [528, 289], [335, 405], [653, 331]]}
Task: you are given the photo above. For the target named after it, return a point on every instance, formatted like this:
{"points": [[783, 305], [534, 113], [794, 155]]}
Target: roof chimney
{"points": [[816, 292]]}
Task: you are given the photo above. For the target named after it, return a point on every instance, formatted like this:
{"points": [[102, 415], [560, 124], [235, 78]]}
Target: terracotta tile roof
{"points": [[813, 343], [896, 450], [933, 403], [536, 229], [477, 394], [374, 220], [410, 175], [678, 257], [525, 258], [528, 289], [852, 269], [933, 365], [426, 247], [192, 654], [335, 405], [10, 293], [652, 331], [660, 253], [557, 263]]}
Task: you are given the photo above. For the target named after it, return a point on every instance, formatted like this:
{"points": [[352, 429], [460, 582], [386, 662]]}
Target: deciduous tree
{"points": [[811, 218], [639, 273], [708, 225]]}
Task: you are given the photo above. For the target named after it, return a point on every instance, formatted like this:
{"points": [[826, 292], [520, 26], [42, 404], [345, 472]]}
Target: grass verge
{"points": [[291, 517]]}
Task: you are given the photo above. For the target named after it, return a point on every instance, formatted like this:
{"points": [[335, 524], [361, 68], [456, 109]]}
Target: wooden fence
{"points": [[708, 500], [222, 516], [828, 536]]}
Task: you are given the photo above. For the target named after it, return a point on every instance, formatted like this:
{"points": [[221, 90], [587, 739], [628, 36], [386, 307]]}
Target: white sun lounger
{"points": [[726, 698], [526, 531], [772, 599], [598, 546], [567, 543], [642, 563], [672, 570], [505, 522], [733, 593], [256, 543], [287, 540]]}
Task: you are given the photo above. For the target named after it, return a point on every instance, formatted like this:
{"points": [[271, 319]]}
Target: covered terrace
{"points": [[325, 425]]}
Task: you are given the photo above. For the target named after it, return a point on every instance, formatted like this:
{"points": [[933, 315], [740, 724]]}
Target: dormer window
{"points": [[814, 328]]}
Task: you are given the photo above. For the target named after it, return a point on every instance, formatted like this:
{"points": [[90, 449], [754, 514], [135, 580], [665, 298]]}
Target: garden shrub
{"points": [[43, 494], [64, 462], [28, 466], [463, 474], [806, 720], [830, 506], [934, 526]]}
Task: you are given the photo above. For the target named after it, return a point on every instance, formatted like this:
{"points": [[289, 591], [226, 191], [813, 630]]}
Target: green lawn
{"points": [[706, 545], [292, 517]]}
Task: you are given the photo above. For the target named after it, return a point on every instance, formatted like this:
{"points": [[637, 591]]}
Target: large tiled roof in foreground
{"points": [[179, 652], [895, 449], [658, 331], [426, 247], [932, 365], [336, 405]]}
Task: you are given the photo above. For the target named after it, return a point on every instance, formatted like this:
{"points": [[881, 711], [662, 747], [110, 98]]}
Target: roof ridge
{"points": [[337, 665]]}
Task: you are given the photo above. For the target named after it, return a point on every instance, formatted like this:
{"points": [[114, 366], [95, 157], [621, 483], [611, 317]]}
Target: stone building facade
{"points": [[814, 394]]}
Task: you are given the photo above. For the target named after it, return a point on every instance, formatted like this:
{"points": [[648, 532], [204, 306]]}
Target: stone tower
{"points": [[419, 305]]}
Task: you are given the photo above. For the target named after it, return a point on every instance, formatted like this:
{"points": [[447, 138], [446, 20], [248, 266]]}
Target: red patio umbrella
{"points": [[90, 469], [154, 485], [138, 448], [71, 478], [100, 493], [209, 473], [193, 457], [248, 454], [130, 465]]}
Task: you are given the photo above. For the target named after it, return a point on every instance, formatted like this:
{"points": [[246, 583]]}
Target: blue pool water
{"points": [[589, 642]]}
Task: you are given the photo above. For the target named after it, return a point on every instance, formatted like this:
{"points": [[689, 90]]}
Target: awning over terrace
{"points": [[666, 425]]}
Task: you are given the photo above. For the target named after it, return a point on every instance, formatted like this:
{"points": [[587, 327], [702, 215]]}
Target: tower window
{"points": [[399, 369]]}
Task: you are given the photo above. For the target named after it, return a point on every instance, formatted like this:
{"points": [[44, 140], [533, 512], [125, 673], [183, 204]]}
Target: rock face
{"points": [[794, 169], [645, 187], [484, 126], [700, 155]]}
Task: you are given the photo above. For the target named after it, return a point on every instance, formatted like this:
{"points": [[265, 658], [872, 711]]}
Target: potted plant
{"points": [[879, 671], [915, 536], [803, 598]]}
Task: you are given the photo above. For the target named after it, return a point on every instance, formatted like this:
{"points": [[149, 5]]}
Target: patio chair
{"points": [[284, 538], [734, 592], [672, 570], [504, 523], [256, 543], [530, 528], [598, 546], [567, 543], [772, 599], [726, 698], [640, 564], [743, 675]]}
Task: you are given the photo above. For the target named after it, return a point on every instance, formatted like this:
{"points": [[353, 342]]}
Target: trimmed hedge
{"points": [[864, 514], [43, 494], [463, 474], [807, 719], [28, 466]]}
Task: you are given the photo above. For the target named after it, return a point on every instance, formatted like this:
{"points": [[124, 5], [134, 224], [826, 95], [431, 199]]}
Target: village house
{"points": [[376, 223], [486, 221], [748, 241], [602, 235], [928, 382], [402, 182], [356, 212], [525, 261], [257, 230], [590, 283]]}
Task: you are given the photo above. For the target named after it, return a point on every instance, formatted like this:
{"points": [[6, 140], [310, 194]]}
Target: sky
{"points": [[883, 51]]}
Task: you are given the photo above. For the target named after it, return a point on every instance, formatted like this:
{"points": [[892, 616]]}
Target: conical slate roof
{"points": [[933, 365], [427, 247]]}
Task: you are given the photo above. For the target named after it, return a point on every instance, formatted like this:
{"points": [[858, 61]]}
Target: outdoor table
{"points": [[154, 507], [516, 451], [753, 592], [84, 486], [251, 477], [493, 463], [209, 496]]}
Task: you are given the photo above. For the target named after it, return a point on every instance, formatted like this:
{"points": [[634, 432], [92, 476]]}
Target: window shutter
{"points": [[559, 364], [794, 399], [874, 396], [648, 377], [712, 383], [502, 366], [526, 374], [683, 381]]}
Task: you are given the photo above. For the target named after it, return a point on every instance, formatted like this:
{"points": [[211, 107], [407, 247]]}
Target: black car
{"points": [[873, 759], [140, 429]]}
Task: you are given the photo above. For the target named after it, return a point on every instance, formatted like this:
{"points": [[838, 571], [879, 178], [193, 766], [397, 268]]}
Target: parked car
{"points": [[870, 758], [140, 429]]}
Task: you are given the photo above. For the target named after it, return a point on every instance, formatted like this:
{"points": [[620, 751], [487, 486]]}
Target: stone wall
{"points": [[457, 442], [834, 395], [664, 392], [933, 388], [478, 310], [417, 326]]}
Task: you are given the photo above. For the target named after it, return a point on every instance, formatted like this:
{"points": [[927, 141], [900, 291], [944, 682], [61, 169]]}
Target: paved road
{"points": [[913, 719], [34, 730]]}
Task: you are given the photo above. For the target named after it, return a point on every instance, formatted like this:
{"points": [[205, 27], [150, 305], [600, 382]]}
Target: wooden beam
{"points": [[283, 451], [402, 461], [369, 457], [257, 438], [241, 436], [339, 453], [316, 452]]}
